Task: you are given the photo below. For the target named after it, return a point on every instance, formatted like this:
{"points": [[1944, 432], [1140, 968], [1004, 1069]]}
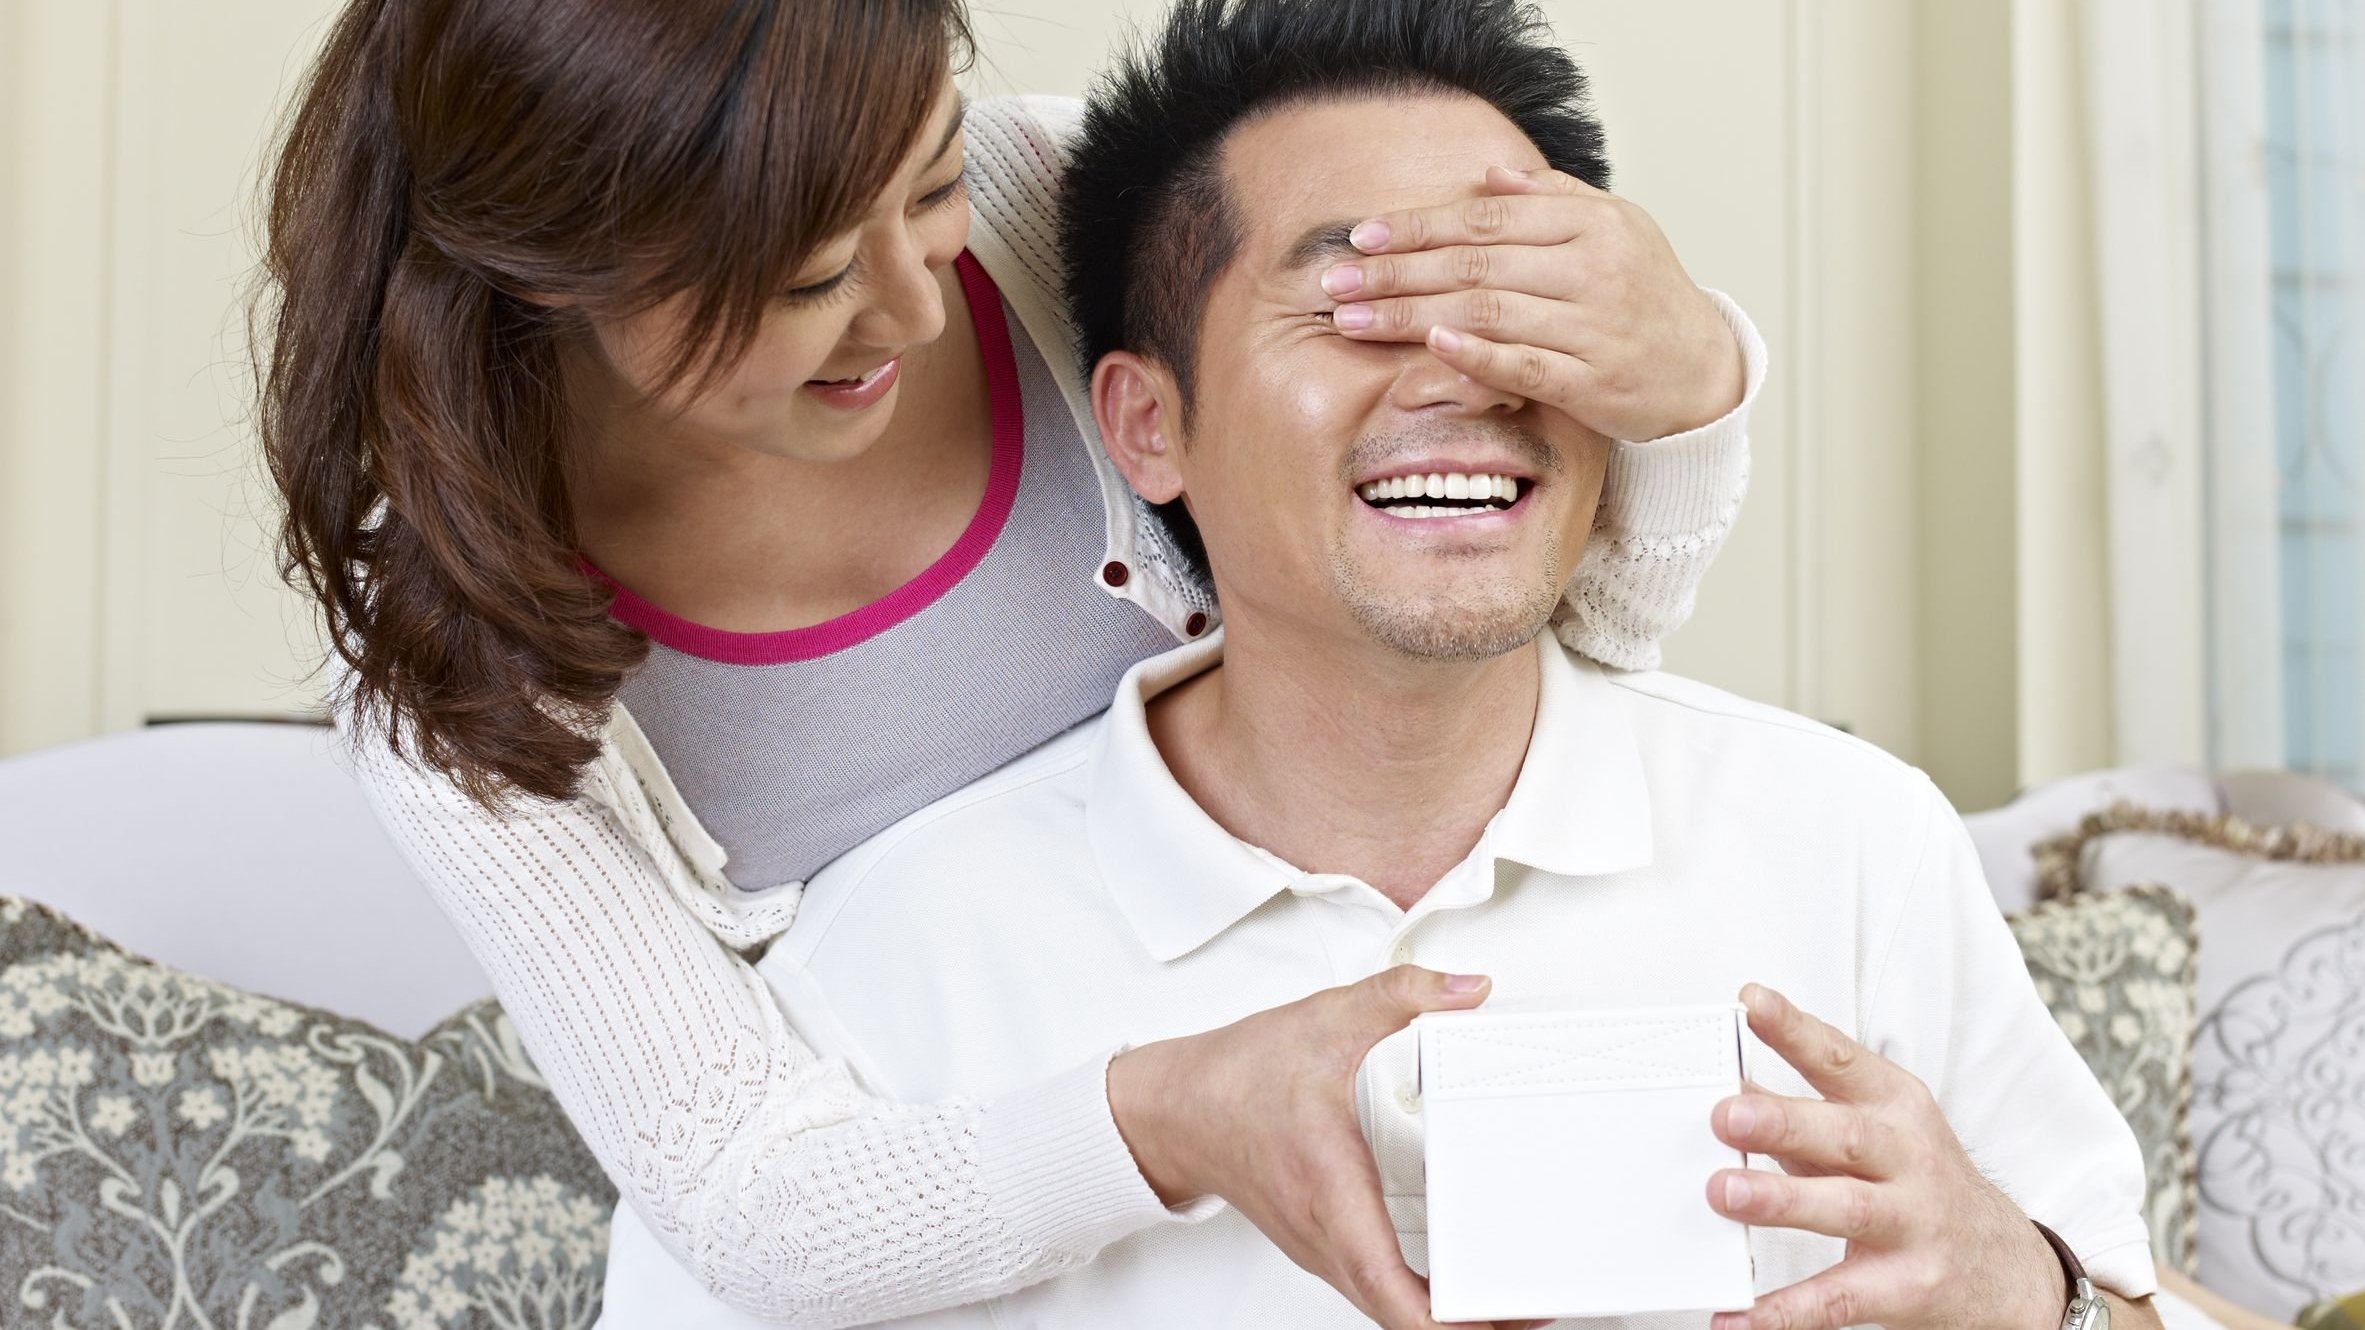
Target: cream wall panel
{"points": [[1968, 682], [1851, 368], [2062, 575], [197, 621], [56, 79]]}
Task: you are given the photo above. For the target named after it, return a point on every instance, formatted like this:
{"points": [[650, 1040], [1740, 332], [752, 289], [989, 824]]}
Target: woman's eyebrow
{"points": [[952, 131]]}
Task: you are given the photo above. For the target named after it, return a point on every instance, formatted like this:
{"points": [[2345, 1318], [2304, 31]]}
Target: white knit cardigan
{"points": [[623, 956]]}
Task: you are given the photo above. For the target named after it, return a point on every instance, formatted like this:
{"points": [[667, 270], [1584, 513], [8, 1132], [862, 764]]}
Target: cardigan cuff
{"points": [[1683, 483], [1058, 1172]]}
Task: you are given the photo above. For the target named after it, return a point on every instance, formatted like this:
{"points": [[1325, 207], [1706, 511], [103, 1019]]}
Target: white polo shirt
{"points": [[1665, 843]]}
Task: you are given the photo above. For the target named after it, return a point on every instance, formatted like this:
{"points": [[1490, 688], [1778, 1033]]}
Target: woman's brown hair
{"points": [[457, 177]]}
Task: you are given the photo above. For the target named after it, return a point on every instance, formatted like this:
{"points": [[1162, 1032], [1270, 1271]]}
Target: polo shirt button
{"points": [[1408, 1099], [1195, 625], [1402, 955], [1115, 573]]}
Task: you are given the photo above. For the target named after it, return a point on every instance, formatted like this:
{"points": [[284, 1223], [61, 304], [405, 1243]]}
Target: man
{"points": [[1385, 758]]}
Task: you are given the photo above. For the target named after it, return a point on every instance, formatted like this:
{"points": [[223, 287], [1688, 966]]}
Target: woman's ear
{"points": [[1132, 400]]}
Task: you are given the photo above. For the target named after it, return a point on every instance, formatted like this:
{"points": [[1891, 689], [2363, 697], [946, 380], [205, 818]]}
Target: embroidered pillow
{"points": [[2335, 1314], [176, 1152], [2116, 970], [2278, 1116]]}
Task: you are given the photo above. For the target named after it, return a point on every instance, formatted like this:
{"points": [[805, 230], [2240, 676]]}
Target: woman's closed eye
{"points": [[814, 293]]}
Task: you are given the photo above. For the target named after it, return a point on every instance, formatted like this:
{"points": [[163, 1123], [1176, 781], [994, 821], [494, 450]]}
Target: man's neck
{"points": [[1366, 763]]}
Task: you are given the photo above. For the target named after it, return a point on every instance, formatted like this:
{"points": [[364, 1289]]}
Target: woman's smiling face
{"points": [[821, 378]]}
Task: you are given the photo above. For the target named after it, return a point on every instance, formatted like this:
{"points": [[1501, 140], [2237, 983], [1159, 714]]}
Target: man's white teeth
{"points": [[1440, 486]]}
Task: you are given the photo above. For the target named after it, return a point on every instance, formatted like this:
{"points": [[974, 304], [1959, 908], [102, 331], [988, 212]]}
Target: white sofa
{"points": [[243, 852]]}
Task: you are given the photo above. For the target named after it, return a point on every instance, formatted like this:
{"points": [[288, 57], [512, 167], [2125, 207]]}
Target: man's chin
{"points": [[1476, 628]]}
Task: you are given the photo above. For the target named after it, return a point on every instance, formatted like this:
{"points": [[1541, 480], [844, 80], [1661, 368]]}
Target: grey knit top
{"points": [[794, 747]]}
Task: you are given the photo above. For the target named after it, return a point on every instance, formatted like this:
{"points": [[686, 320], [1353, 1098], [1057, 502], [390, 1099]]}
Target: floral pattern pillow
{"points": [[2116, 970], [175, 1152]]}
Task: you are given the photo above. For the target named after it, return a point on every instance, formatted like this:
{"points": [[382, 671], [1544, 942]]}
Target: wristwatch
{"points": [[2087, 1310]]}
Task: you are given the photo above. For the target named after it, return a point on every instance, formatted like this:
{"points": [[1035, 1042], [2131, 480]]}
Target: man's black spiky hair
{"points": [[1147, 224]]}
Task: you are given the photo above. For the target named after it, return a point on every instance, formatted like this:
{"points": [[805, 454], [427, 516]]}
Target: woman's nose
{"points": [[907, 304]]}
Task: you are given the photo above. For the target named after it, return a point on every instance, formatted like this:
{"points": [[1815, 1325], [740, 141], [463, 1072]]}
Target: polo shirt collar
{"points": [[1581, 806]]}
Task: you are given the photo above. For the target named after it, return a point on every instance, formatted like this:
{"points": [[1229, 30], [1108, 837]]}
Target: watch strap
{"points": [[2086, 1309]]}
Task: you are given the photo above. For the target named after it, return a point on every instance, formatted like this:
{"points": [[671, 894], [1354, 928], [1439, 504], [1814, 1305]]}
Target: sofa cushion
{"points": [[2116, 970], [2279, 1067], [2006, 836], [175, 1151]]}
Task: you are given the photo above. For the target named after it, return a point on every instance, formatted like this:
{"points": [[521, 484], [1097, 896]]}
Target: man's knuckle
{"points": [[1486, 218], [1837, 1306], [1854, 1146], [1368, 1278], [1860, 1211], [1839, 1056]]}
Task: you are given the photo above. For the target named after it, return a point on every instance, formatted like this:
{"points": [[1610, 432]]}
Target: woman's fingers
{"points": [[1499, 316], [1488, 219], [1556, 380], [1555, 273]]}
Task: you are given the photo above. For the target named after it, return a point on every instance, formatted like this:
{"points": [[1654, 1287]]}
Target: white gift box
{"points": [[1568, 1155]]}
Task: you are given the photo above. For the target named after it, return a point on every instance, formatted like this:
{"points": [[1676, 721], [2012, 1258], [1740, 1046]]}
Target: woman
{"points": [[692, 486]]}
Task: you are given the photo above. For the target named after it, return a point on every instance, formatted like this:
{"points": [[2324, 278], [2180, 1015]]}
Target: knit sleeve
{"points": [[767, 1171], [1666, 508]]}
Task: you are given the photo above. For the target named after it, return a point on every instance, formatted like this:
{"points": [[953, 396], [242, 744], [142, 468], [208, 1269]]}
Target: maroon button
{"points": [[1116, 574], [1195, 625]]}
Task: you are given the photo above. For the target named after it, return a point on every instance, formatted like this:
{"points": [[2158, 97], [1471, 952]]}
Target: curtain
{"points": [[2228, 141]]}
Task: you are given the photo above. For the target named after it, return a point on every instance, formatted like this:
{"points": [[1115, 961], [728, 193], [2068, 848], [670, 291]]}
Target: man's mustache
{"points": [[1380, 450]]}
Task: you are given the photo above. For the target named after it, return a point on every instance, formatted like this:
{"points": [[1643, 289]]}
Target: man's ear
{"points": [[1138, 410]]}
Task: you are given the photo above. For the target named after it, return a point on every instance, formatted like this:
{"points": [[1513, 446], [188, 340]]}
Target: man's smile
{"points": [[1436, 494]]}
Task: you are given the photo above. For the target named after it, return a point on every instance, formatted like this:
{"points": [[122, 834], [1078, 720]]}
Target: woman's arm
{"points": [[1666, 508], [767, 1171]]}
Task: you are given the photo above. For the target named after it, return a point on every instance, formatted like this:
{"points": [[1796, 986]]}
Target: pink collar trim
{"points": [[852, 629]]}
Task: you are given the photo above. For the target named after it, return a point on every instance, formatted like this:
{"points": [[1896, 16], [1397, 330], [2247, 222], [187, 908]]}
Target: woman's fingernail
{"points": [[1464, 983], [1736, 1191], [1343, 281], [1445, 339], [1353, 318], [1369, 236]]}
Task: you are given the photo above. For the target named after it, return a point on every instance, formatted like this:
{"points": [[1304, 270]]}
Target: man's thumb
{"points": [[1393, 997]]}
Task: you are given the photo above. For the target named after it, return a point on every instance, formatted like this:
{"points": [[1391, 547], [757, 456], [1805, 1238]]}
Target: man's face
{"points": [[1306, 449]]}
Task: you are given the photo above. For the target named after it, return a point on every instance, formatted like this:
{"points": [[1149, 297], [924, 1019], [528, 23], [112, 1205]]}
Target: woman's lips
{"points": [[856, 394]]}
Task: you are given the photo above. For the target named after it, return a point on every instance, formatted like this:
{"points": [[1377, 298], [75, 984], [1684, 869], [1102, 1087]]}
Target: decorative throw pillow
{"points": [[2116, 970], [2279, 1067], [2335, 1314], [176, 1152]]}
